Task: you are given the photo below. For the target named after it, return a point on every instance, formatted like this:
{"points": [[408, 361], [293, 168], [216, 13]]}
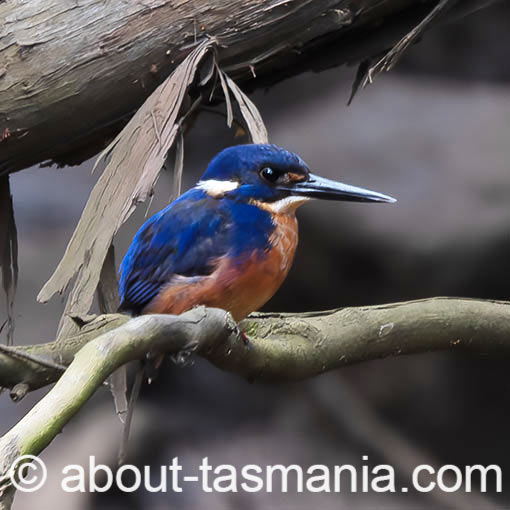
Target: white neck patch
{"points": [[216, 188], [285, 205]]}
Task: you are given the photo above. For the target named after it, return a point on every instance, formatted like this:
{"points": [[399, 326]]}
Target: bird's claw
{"points": [[243, 336], [183, 358]]}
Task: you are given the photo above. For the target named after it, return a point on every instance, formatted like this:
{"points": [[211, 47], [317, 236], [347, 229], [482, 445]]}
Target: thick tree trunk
{"points": [[72, 73]]}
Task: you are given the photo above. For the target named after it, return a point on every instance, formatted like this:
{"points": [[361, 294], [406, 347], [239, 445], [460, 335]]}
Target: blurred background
{"points": [[435, 134]]}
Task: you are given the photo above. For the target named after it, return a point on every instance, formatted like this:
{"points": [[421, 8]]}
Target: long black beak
{"points": [[326, 189]]}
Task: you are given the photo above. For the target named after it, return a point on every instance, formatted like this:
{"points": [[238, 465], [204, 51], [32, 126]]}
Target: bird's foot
{"points": [[234, 329], [184, 358], [243, 336]]}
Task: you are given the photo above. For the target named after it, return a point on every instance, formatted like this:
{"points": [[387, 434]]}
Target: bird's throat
{"points": [[287, 205]]}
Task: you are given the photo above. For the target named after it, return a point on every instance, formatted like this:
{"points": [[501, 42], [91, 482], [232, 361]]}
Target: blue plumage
{"points": [[185, 239], [239, 161]]}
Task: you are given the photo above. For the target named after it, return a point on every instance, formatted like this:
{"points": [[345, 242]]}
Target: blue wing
{"points": [[183, 239]]}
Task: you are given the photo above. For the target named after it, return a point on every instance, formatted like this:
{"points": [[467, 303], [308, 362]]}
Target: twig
{"points": [[135, 392], [17, 353], [389, 60]]}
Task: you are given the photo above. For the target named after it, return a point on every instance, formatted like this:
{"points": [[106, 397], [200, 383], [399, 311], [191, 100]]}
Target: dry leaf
{"points": [[178, 166], [361, 74], [133, 398], [108, 299], [135, 159], [389, 60], [250, 112], [117, 383], [9, 253], [108, 288], [230, 115]]}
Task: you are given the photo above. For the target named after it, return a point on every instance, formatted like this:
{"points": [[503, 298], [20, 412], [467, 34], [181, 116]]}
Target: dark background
{"points": [[435, 134]]}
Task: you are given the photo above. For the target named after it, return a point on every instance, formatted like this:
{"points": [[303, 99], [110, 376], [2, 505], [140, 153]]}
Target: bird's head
{"points": [[274, 178]]}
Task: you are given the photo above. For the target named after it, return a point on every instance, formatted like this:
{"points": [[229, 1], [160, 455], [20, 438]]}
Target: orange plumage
{"points": [[238, 287]]}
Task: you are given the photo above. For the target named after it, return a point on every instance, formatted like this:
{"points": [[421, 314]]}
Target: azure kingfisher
{"points": [[229, 241]]}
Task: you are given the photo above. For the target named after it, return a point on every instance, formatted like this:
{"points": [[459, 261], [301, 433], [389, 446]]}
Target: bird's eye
{"points": [[269, 174]]}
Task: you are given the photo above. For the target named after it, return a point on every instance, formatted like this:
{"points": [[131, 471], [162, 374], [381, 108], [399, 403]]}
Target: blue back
{"points": [[185, 239]]}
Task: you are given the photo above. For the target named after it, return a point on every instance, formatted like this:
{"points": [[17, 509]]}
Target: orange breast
{"points": [[239, 287]]}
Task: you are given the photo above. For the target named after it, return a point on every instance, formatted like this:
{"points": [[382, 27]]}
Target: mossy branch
{"points": [[280, 347], [296, 346], [94, 362]]}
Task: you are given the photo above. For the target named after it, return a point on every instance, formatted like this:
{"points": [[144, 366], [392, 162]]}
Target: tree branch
{"points": [[16, 372], [95, 362], [101, 60], [297, 346], [280, 347]]}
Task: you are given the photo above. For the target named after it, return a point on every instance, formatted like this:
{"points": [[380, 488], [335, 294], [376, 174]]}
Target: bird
{"points": [[229, 241]]}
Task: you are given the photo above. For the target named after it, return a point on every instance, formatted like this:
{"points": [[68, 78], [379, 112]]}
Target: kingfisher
{"points": [[229, 241]]}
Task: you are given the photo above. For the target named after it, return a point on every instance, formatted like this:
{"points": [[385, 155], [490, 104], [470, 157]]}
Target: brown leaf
{"points": [[250, 112], [361, 74], [8, 253], [108, 288], [133, 397], [178, 166], [230, 115], [108, 299], [135, 158], [117, 383]]}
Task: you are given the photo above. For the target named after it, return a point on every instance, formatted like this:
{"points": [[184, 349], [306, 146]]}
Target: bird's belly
{"points": [[240, 286]]}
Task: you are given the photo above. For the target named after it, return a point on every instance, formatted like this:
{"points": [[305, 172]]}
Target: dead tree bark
{"points": [[71, 75]]}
